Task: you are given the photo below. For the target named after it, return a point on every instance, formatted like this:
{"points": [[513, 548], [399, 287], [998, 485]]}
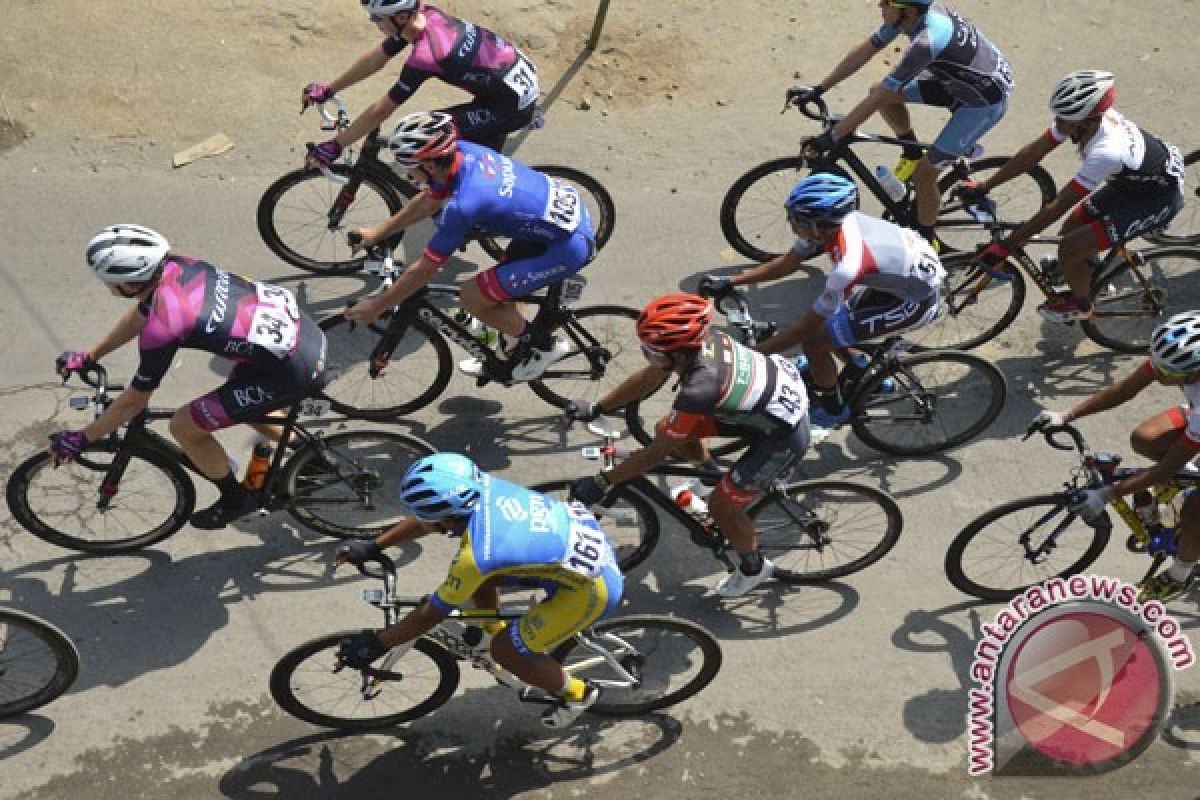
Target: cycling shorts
{"points": [[529, 266], [1117, 214], [489, 125], [870, 314], [967, 124], [766, 462], [565, 611]]}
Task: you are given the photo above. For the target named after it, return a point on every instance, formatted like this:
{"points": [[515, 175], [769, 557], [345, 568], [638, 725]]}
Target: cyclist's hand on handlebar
{"points": [[366, 310], [72, 361], [582, 411], [990, 259], [323, 154], [361, 649], [590, 490], [819, 146], [361, 238], [714, 285], [970, 192], [315, 92], [1048, 419], [65, 446], [800, 94], [1089, 504], [356, 552]]}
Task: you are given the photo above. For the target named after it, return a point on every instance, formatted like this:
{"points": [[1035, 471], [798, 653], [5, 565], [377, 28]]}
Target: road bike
{"points": [[1025, 542], [640, 663], [401, 363], [131, 489], [1132, 292], [304, 216], [1185, 228], [755, 224], [812, 531], [38, 662], [905, 401]]}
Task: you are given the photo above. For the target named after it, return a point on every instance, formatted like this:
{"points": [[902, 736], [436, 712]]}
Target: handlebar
{"points": [[733, 305], [331, 122], [821, 112], [1053, 433]]}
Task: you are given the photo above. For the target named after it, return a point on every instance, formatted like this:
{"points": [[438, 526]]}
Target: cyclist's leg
{"points": [[1154, 435], [967, 125], [488, 125]]}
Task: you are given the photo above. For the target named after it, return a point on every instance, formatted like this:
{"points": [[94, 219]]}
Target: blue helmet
{"points": [[441, 485], [822, 197]]}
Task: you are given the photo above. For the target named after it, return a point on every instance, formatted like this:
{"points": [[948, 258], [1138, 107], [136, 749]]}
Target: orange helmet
{"points": [[675, 322]]}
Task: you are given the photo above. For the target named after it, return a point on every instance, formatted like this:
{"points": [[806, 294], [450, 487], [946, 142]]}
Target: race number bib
{"points": [[585, 550], [275, 325], [523, 80], [790, 401], [564, 208]]}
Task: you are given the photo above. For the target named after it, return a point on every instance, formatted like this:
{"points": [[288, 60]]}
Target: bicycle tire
{"points": [[1016, 579], [613, 329], [599, 203], [1173, 275], [876, 410], [752, 216], [627, 517], [1185, 228], [1015, 202], [826, 510], [615, 702], [310, 196], [35, 479], [975, 307], [417, 374], [345, 684], [363, 497], [20, 695]]}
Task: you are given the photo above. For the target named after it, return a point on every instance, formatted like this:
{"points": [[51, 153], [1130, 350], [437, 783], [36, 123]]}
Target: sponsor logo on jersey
{"points": [[509, 178], [251, 396], [220, 299]]}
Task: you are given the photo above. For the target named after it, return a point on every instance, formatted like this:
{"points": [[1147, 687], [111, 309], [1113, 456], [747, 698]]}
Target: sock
{"points": [[573, 689], [830, 400], [711, 464], [1084, 303], [229, 485], [1181, 569], [537, 337], [910, 151], [926, 232], [752, 562]]}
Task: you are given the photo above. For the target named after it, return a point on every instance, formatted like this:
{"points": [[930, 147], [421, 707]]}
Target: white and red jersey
{"points": [[1122, 152], [1190, 407]]}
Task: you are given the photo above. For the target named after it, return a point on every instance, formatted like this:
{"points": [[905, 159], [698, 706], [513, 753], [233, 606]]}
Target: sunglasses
{"points": [[1170, 375]]}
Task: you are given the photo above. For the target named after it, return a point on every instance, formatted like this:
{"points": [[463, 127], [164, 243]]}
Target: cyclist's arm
{"points": [[415, 277], [863, 111], [1175, 459], [778, 267], [852, 63], [420, 620], [364, 66], [811, 324], [1112, 396], [421, 207], [1025, 159], [407, 530], [126, 330], [640, 384], [367, 121], [1068, 197], [645, 459], [128, 405]]}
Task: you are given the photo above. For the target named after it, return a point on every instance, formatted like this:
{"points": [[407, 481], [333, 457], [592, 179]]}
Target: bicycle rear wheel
{"points": [[671, 659], [348, 485], [308, 684], [1008, 549], [303, 217], [1129, 301], [597, 199], [1016, 200], [37, 662], [604, 350], [627, 517], [975, 307], [752, 215], [817, 530], [937, 400], [69, 506], [1185, 228], [416, 369]]}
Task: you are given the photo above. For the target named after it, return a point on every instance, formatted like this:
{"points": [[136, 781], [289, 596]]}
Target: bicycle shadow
{"points": [[437, 759], [1184, 718], [474, 426], [23, 732]]}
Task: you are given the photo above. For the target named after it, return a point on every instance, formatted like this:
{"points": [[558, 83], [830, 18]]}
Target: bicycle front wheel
{"points": [[303, 217], [1016, 200], [37, 662], [603, 351], [669, 659], [976, 308], [1023, 543], [817, 530], [348, 485], [752, 215], [626, 516], [927, 402], [383, 370], [1185, 228], [599, 203], [1130, 299], [70, 505], [308, 684]]}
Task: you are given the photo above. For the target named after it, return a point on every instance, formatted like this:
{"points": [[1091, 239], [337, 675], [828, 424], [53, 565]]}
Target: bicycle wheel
{"points": [[597, 199], [308, 684], [37, 662], [752, 216], [1016, 201], [1185, 228], [975, 307], [604, 351], [349, 486], [627, 517], [1130, 300], [817, 530], [303, 217], [416, 373], [1005, 551], [68, 506], [937, 400], [672, 659]]}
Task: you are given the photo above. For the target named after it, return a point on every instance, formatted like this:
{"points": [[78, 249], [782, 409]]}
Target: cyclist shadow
{"points": [[1182, 730], [475, 427], [443, 756], [23, 732], [784, 300]]}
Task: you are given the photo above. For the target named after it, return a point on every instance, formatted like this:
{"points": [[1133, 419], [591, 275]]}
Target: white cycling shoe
{"points": [[737, 583], [566, 712], [537, 361]]}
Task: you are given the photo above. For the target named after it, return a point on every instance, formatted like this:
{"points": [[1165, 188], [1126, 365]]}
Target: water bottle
{"points": [[687, 496], [482, 333], [260, 462], [892, 186]]}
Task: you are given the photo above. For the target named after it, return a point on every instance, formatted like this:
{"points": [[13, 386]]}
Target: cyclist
{"points": [[468, 186], [726, 389], [278, 350], [1171, 438], [885, 279], [510, 536], [502, 81], [1131, 183], [950, 64]]}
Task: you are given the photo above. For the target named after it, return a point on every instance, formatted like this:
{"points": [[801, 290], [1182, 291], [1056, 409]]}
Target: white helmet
{"points": [[1175, 344], [126, 253], [423, 135], [385, 8], [1082, 94]]}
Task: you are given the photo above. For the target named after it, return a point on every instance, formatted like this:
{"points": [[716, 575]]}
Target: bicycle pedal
{"points": [[532, 694]]}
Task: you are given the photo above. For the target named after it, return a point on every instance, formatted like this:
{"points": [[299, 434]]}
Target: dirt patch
{"points": [[12, 133]]}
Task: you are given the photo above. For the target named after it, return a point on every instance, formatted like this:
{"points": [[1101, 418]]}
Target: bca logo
{"points": [[512, 509]]}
